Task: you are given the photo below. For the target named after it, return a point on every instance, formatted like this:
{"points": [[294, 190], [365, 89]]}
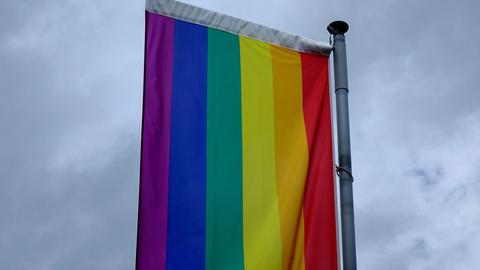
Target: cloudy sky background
{"points": [[70, 112]]}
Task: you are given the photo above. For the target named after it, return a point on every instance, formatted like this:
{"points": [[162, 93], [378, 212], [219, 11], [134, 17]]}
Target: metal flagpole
{"points": [[344, 168]]}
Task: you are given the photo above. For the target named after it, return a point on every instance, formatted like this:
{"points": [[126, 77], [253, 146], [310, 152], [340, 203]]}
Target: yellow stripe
{"points": [[261, 225], [291, 153]]}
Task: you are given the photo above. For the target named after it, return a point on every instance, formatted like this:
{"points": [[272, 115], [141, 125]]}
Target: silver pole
{"points": [[344, 169]]}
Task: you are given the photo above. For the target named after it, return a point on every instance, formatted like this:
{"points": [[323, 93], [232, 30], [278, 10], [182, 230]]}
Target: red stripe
{"points": [[319, 201]]}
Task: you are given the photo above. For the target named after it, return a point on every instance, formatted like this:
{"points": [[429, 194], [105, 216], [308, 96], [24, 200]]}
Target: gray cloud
{"points": [[70, 97], [70, 114]]}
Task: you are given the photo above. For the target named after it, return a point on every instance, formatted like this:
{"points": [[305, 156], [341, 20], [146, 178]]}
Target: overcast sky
{"points": [[70, 116]]}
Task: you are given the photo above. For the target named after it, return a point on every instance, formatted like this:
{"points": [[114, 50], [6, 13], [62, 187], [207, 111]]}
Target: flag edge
{"points": [[189, 13]]}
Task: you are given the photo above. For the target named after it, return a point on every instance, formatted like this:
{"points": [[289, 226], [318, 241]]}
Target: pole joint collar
{"points": [[341, 88]]}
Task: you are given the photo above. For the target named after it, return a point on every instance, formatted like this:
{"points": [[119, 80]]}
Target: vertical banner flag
{"points": [[236, 166]]}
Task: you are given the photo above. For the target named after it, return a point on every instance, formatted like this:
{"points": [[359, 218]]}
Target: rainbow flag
{"points": [[236, 166]]}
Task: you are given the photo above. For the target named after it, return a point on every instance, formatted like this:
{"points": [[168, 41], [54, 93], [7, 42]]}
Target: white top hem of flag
{"points": [[192, 14]]}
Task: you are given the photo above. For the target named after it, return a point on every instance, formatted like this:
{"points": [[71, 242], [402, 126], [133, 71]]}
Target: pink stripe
{"points": [[154, 174]]}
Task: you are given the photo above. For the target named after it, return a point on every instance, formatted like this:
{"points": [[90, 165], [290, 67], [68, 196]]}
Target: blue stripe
{"points": [[187, 182]]}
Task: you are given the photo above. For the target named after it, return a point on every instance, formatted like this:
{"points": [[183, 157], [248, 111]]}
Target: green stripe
{"points": [[224, 241]]}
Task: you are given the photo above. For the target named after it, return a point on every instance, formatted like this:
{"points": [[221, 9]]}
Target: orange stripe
{"points": [[291, 153]]}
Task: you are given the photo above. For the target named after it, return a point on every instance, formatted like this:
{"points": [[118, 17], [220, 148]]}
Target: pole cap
{"points": [[337, 27]]}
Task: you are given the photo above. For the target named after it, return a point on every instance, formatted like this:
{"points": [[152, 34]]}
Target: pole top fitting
{"points": [[337, 27]]}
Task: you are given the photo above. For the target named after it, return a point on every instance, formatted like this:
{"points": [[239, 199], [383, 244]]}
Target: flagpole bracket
{"points": [[341, 169]]}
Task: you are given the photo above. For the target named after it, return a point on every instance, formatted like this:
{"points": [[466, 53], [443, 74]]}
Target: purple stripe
{"points": [[154, 170]]}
